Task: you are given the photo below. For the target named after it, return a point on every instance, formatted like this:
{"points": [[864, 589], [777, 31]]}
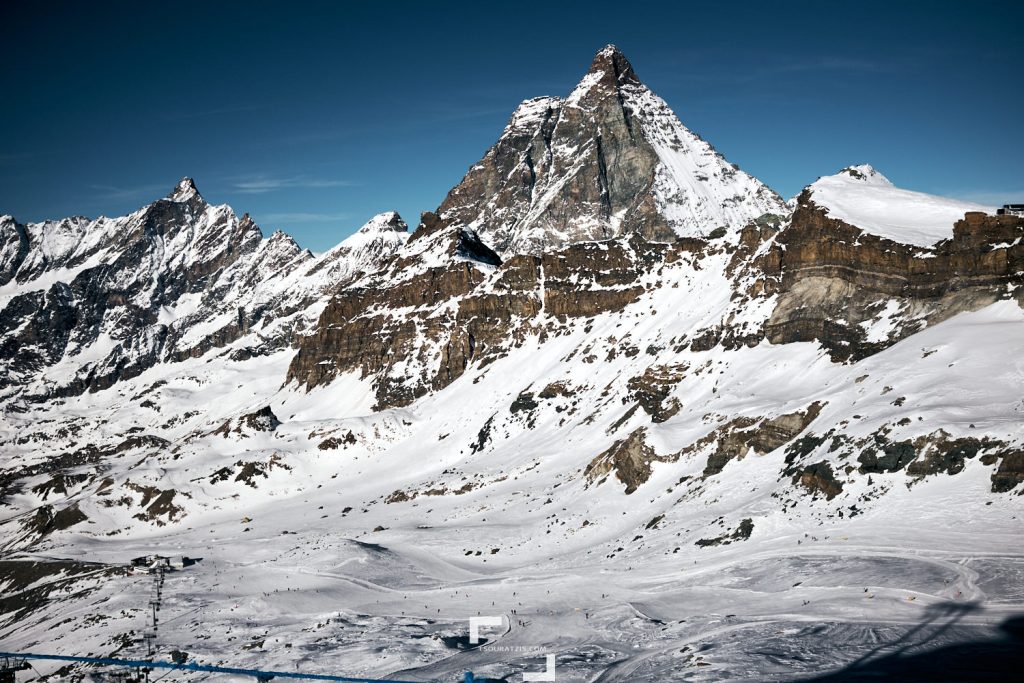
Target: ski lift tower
{"points": [[9, 668]]}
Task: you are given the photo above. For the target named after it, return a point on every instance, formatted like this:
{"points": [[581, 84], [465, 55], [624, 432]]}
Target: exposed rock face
{"points": [[653, 388], [14, 246], [819, 478], [1010, 472], [610, 159], [739, 436], [630, 459], [109, 298], [858, 293], [921, 457], [360, 329], [262, 420], [398, 317], [741, 533]]}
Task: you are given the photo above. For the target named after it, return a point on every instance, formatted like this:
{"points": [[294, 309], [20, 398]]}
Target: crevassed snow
{"points": [[863, 197]]}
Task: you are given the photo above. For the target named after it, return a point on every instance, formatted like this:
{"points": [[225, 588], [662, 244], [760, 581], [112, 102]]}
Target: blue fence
{"points": [[255, 673]]}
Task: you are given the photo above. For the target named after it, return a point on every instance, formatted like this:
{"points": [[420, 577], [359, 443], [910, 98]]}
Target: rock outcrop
{"points": [[448, 301], [857, 293]]}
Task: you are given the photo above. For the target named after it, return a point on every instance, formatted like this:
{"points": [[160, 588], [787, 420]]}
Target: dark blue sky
{"points": [[314, 116]]}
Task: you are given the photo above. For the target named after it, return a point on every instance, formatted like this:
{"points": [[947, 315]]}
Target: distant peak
{"points": [[614, 67], [865, 173], [184, 190], [385, 222]]}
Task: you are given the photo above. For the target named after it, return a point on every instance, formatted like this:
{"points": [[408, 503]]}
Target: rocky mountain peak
{"points": [[184, 190], [611, 67], [610, 159], [389, 221], [865, 173], [280, 236]]}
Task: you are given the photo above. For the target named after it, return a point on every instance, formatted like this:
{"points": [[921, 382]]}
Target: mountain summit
{"points": [[863, 197], [184, 190], [613, 68], [609, 159]]}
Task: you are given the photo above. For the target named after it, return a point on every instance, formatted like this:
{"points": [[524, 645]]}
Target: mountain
{"points": [[608, 160], [650, 446], [87, 303], [858, 283], [861, 196]]}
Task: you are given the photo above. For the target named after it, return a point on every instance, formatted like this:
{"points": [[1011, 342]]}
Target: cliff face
{"points": [[858, 293], [416, 326], [450, 301]]}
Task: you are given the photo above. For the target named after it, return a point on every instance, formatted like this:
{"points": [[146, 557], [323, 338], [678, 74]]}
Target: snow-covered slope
{"points": [[863, 197], [642, 516], [695, 187]]}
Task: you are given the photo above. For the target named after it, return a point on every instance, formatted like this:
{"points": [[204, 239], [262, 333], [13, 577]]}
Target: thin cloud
{"points": [[13, 157], [991, 197], [138, 192], [300, 217], [216, 111], [262, 185]]}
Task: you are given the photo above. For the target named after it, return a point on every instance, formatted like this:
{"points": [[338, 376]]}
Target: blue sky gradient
{"points": [[313, 117]]}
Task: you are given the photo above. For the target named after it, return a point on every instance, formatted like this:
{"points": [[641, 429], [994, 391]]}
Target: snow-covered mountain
{"points": [[653, 448], [863, 197], [86, 303], [610, 159]]}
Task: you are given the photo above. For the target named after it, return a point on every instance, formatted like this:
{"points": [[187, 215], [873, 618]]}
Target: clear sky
{"points": [[315, 116]]}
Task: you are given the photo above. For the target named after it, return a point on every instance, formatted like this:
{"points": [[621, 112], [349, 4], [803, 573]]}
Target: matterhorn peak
{"points": [[613, 66], [610, 159], [184, 190], [609, 71]]}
